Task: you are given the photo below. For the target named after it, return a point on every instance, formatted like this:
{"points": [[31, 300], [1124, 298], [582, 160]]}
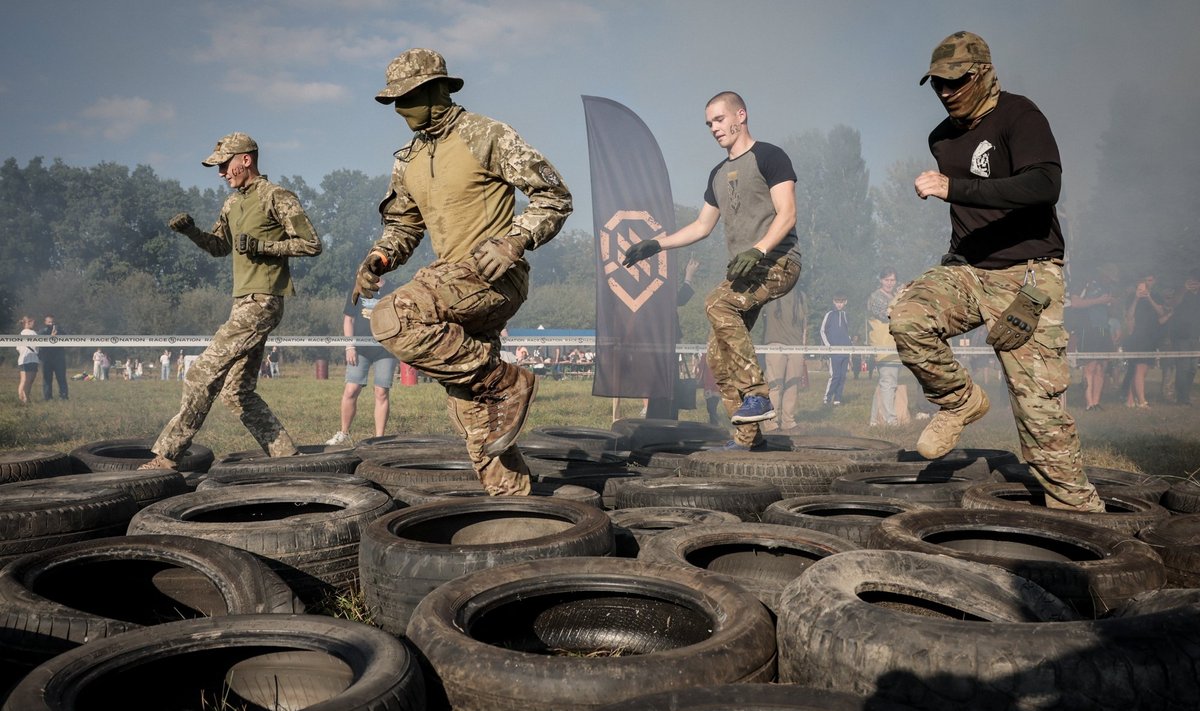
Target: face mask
{"points": [[974, 100], [423, 105]]}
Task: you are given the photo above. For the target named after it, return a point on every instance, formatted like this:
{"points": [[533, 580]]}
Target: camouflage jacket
{"points": [[278, 221], [457, 181]]}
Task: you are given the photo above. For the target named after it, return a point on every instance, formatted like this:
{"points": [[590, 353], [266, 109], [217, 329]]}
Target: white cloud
{"points": [[476, 31], [282, 89], [116, 118]]}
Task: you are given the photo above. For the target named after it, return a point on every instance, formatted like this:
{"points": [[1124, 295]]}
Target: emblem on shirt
{"points": [[981, 164]]}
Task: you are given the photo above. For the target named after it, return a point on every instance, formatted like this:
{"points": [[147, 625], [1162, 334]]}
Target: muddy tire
{"points": [[579, 633], [25, 464], [408, 553], [591, 440], [273, 661], [753, 697], [35, 520], [761, 557], [235, 478], [387, 445], [1183, 497], [917, 482], [744, 498], [637, 432], [429, 492], [798, 473], [861, 449], [312, 458], [120, 454], [1127, 515], [1177, 542], [633, 527], [308, 534], [1091, 568], [1116, 481], [846, 516], [396, 470], [145, 486]]}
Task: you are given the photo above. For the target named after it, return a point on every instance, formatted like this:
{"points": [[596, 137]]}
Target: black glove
{"points": [[743, 263], [495, 255], [247, 245], [1016, 325], [182, 223], [642, 250], [366, 283]]}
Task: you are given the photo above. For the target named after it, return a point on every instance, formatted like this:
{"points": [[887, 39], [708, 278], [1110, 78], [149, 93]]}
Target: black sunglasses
{"points": [[952, 85]]}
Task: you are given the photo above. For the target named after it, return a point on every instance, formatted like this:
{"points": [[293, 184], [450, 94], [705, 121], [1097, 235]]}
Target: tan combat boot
{"points": [[159, 462], [941, 434], [502, 399]]}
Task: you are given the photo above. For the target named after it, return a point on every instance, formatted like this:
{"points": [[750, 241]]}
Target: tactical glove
{"points": [[366, 282], [743, 263], [183, 224], [249, 246], [642, 250], [1016, 325], [495, 255]]}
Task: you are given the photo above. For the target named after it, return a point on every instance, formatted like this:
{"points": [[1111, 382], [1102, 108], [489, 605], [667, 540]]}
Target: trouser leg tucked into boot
{"points": [[502, 397]]}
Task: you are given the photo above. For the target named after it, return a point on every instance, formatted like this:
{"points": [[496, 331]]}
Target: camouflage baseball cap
{"points": [[229, 146], [955, 55], [412, 69]]}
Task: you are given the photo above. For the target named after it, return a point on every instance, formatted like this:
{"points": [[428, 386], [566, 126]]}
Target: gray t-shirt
{"points": [[741, 189]]}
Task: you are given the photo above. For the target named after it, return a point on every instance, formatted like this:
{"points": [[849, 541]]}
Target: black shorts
{"points": [[29, 367]]}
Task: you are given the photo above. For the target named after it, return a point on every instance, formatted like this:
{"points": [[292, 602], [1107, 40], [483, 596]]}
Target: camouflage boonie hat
{"points": [[412, 69], [229, 146], [955, 55]]}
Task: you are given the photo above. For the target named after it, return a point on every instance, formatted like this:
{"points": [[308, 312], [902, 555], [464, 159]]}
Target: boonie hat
{"points": [[412, 69], [229, 146], [955, 55]]}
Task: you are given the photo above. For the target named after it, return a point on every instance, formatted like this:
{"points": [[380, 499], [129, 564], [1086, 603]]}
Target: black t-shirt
{"points": [[1005, 176], [361, 315]]}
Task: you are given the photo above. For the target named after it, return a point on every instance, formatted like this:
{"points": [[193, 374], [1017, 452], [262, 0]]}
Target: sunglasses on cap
{"points": [[951, 85]]}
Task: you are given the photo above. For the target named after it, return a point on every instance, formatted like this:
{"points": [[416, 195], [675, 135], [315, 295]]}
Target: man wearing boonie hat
{"points": [[999, 168], [456, 180], [262, 224]]}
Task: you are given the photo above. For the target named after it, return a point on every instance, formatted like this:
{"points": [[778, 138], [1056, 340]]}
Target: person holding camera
{"points": [[263, 225], [1143, 322]]}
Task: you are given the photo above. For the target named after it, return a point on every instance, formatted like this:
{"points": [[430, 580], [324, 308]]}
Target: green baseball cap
{"points": [[412, 69], [229, 146], [955, 55]]}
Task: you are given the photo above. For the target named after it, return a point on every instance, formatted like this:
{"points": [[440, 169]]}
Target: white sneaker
{"points": [[340, 439]]}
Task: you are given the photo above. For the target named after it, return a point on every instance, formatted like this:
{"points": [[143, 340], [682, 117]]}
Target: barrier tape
{"points": [[537, 341]]}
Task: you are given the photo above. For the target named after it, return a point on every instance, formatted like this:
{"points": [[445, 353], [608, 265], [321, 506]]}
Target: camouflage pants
{"points": [[732, 309], [229, 367], [947, 301], [446, 323]]}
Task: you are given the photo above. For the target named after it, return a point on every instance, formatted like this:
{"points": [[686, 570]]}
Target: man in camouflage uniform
{"points": [[753, 192], [999, 168], [456, 179], [262, 224]]}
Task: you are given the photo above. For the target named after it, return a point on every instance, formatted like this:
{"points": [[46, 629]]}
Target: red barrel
{"points": [[408, 374], [322, 369]]}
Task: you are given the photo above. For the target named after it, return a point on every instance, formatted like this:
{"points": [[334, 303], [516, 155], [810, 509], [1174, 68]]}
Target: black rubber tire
{"points": [[429, 492], [313, 662], [1091, 568], [35, 520], [312, 458], [637, 432], [1127, 515], [980, 638], [990, 459], [916, 482], [398, 469], [490, 636], [671, 456], [108, 455], [25, 464], [1183, 497], [145, 486], [605, 480], [794, 473], [633, 527], [60, 598], [308, 534], [753, 697], [745, 498], [1116, 481], [846, 516], [591, 440], [408, 553], [387, 445], [546, 457], [761, 557], [237, 478], [1177, 542], [861, 449]]}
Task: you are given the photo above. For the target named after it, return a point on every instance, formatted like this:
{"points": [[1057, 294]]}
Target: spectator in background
{"points": [[835, 331], [1184, 325], [99, 369], [53, 361], [180, 367], [164, 365], [1092, 307], [356, 322], [1143, 324], [883, 404], [27, 361], [785, 324], [273, 358]]}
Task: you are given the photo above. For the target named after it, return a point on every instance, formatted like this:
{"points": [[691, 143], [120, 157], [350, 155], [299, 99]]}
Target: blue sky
{"points": [[156, 83]]}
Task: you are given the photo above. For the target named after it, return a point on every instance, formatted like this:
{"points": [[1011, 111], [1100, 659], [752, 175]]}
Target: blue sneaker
{"points": [[755, 408], [732, 446]]}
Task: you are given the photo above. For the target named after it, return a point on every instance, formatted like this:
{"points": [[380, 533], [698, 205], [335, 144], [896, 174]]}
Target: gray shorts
{"points": [[385, 371]]}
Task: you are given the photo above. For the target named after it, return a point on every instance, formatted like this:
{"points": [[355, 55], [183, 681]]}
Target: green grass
{"points": [[1164, 440]]}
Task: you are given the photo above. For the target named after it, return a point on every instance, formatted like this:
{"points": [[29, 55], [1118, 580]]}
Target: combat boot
{"points": [[159, 462], [942, 432], [502, 401]]}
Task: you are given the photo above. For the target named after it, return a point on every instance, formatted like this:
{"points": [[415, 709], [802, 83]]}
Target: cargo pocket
{"points": [[385, 322], [1044, 360]]}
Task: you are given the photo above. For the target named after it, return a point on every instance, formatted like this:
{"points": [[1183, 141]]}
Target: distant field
{"points": [[1164, 440]]}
